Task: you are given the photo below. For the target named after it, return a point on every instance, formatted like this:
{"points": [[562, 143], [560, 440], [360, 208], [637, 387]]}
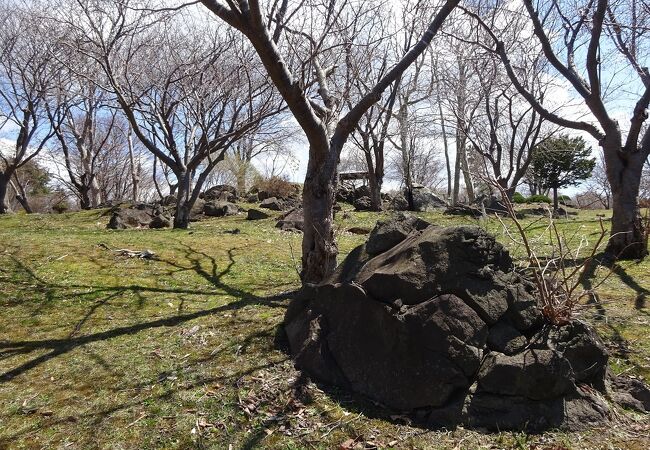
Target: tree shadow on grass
{"points": [[619, 345], [58, 347]]}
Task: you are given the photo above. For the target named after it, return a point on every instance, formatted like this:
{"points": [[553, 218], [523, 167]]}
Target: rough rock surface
{"points": [[256, 214], [291, 221], [220, 209], [424, 199], [140, 215], [398, 203], [222, 192], [272, 203], [362, 204], [436, 320], [463, 210], [630, 393], [350, 193]]}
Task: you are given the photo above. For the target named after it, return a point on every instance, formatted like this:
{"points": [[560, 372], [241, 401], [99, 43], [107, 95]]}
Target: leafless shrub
{"points": [[558, 277]]}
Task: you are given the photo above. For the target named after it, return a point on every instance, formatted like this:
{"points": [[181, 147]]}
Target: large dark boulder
{"points": [[398, 203], [160, 221], [220, 209], [291, 221], [362, 204], [274, 204], [437, 320], [256, 214], [222, 192], [350, 193], [463, 210], [131, 216], [425, 200]]}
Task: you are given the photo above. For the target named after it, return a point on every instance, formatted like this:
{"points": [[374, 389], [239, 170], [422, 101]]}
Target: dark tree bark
{"points": [[4, 185], [628, 238], [183, 206], [319, 248], [623, 159]]}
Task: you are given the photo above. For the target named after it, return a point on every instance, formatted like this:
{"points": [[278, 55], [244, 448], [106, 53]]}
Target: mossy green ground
{"points": [[99, 350]]}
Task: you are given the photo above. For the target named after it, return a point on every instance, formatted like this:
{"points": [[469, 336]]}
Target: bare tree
{"points": [[273, 33], [458, 71], [368, 65], [576, 40], [28, 72], [599, 183], [189, 94], [85, 128], [507, 128], [274, 139]]}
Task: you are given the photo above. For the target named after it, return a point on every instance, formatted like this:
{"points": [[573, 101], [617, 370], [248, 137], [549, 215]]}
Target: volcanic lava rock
{"points": [[273, 204], [363, 204], [220, 209], [132, 216], [222, 192], [256, 214], [291, 221], [437, 320], [424, 199]]}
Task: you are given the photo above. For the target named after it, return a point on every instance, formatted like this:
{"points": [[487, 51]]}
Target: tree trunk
{"points": [[464, 165], [375, 191], [374, 179], [21, 195], [135, 169], [628, 239], [456, 191], [182, 215], [446, 148], [319, 248], [24, 202], [84, 197], [4, 183], [555, 202]]}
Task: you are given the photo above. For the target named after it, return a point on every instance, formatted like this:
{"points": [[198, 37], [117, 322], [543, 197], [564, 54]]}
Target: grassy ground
{"points": [[99, 350]]}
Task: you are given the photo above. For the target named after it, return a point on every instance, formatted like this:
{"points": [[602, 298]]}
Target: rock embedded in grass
{"points": [[423, 318], [256, 214]]}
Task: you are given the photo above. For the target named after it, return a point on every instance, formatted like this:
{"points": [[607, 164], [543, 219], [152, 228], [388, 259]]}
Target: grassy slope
{"points": [[107, 351]]}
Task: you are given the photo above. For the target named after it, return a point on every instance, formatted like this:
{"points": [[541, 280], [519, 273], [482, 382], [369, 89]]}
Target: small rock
{"points": [[358, 230], [160, 221], [273, 204], [256, 214], [362, 204]]}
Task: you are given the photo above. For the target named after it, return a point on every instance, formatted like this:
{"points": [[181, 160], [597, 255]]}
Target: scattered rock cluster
{"points": [[217, 201], [140, 215], [423, 198], [436, 321]]}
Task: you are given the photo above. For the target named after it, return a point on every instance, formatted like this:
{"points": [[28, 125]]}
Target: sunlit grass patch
{"points": [[100, 350]]}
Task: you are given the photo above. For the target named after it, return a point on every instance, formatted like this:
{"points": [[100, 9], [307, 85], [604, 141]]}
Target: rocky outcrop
{"points": [[140, 215], [349, 193], [363, 204], [425, 200], [291, 221], [436, 320], [272, 203], [222, 192], [256, 214], [220, 209]]}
